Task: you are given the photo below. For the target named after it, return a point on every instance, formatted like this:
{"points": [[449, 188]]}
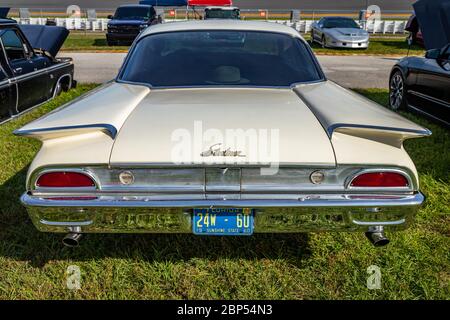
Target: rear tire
{"points": [[324, 42], [397, 91]]}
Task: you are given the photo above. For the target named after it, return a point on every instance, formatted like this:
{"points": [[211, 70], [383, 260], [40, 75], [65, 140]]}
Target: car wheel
{"points": [[397, 91], [324, 42], [312, 37]]}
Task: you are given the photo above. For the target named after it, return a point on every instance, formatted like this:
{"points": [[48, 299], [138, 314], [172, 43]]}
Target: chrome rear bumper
{"points": [[138, 214]]}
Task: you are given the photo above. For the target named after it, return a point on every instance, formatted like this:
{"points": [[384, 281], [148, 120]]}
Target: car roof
{"points": [[221, 8], [135, 6], [220, 24], [338, 18]]}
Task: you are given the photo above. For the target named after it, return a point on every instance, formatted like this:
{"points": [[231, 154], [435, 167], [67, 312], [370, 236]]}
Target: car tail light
{"points": [[380, 179], [65, 180]]}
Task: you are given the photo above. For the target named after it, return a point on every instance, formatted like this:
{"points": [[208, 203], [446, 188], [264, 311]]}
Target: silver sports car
{"points": [[221, 127], [339, 32]]}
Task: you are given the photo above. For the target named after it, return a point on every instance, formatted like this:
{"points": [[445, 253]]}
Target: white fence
{"points": [[71, 23], [303, 26], [380, 26]]}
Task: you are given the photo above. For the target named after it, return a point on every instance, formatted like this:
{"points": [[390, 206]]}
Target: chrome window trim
{"points": [[290, 87], [411, 186]]}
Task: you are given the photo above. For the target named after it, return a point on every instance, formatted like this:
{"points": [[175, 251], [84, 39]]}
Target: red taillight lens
{"points": [[380, 179], [64, 180]]}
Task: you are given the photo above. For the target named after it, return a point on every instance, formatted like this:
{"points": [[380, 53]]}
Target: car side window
{"points": [[14, 47]]}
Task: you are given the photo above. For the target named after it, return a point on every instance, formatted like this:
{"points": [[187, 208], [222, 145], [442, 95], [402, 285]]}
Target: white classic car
{"points": [[221, 128]]}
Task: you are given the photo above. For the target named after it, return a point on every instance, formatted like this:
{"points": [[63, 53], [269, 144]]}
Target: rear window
{"points": [[220, 58]]}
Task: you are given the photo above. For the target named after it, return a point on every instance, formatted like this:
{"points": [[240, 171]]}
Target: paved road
{"points": [[349, 71], [354, 5]]}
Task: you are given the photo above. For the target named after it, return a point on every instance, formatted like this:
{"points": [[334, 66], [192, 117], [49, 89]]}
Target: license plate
{"points": [[223, 222]]}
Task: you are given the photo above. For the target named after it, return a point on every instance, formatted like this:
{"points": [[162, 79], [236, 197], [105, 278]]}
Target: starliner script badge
{"points": [[215, 151]]}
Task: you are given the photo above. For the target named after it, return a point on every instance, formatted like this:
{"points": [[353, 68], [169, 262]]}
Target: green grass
{"points": [[416, 265], [78, 41], [387, 45]]}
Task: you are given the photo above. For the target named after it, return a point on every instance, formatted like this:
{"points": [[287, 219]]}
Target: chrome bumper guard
{"points": [[122, 214]]}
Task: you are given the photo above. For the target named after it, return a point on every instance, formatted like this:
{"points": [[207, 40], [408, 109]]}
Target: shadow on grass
{"points": [[100, 42], [103, 43], [19, 240]]}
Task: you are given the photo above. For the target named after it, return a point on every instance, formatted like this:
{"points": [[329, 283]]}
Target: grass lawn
{"points": [[79, 41], [416, 265], [392, 45]]}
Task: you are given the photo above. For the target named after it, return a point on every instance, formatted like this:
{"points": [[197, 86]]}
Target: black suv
{"points": [[128, 22]]}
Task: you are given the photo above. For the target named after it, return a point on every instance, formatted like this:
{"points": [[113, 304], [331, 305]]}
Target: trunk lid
{"points": [[48, 38], [222, 126]]}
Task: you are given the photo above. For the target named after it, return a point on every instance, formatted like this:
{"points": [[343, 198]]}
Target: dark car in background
{"points": [[215, 12], [30, 73], [4, 12], [422, 84], [128, 21]]}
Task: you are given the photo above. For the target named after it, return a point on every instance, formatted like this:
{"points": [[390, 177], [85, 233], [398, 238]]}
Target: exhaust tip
{"points": [[72, 240], [378, 239]]}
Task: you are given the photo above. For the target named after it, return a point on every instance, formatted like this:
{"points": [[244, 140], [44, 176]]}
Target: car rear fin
{"points": [[342, 110], [103, 109], [58, 132], [391, 136]]}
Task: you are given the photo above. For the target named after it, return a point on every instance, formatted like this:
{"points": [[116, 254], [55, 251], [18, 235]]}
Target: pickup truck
{"points": [[30, 73], [128, 21]]}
